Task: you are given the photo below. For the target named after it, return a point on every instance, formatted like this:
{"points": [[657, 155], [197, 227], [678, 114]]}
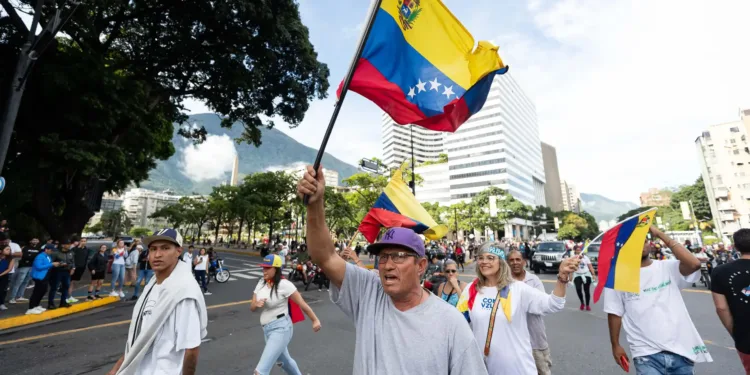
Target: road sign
{"points": [[369, 165], [685, 211]]}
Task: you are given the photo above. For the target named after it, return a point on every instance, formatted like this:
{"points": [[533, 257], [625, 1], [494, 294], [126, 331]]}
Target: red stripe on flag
{"points": [[606, 253], [377, 218]]}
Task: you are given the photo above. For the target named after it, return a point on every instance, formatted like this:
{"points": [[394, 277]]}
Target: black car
{"points": [[593, 254]]}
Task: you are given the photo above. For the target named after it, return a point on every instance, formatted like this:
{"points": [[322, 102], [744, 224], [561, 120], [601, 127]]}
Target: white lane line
{"points": [[232, 279], [244, 276]]}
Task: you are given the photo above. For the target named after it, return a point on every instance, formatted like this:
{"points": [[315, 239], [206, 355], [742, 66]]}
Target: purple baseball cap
{"points": [[403, 238]]}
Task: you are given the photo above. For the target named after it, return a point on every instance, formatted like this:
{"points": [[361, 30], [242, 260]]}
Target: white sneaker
{"points": [[113, 294], [33, 312], [40, 309], [207, 294], [2, 307], [12, 301], [71, 300], [121, 295], [21, 299]]}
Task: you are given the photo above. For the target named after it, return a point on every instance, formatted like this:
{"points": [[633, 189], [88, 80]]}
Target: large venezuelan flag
{"points": [[420, 66], [620, 254], [397, 207]]}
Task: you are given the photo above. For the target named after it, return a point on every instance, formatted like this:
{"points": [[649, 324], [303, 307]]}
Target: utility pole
{"points": [[29, 53]]}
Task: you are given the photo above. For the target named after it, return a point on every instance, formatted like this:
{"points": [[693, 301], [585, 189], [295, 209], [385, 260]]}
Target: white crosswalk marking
{"points": [[244, 276], [232, 279]]}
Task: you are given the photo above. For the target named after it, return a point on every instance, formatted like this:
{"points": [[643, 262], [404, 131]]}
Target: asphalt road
{"points": [[91, 343]]}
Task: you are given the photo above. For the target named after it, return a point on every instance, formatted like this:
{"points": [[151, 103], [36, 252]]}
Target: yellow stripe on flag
{"points": [[628, 267], [406, 203]]}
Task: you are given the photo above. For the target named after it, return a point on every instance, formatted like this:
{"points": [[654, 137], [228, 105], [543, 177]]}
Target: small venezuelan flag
{"points": [[397, 207], [620, 254], [420, 66]]}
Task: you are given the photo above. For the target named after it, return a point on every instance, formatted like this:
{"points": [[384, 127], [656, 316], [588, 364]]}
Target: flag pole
{"points": [[345, 87]]}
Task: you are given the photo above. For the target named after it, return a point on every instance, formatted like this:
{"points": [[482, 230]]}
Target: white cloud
{"points": [[623, 89], [295, 165], [209, 160]]}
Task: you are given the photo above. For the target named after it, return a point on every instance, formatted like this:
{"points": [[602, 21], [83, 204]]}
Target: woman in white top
{"points": [[272, 295], [119, 254], [496, 306], [200, 267], [583, 277]]}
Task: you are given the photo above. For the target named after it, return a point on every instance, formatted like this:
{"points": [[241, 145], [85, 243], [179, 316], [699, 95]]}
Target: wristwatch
{"points": [[563, 279]]}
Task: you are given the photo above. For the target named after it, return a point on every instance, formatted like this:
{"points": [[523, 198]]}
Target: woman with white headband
{"points": [[496, 306]]}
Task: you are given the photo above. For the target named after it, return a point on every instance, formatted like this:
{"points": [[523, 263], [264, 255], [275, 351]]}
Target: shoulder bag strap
{"points": [[492, 325]]}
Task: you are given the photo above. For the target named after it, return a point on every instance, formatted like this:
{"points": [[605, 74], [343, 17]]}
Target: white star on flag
{"points": [[411, 92], [434, 84], [420, 86], [448, 92]]}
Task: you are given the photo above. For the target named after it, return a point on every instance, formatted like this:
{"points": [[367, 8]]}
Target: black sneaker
{"points": [[134, 298], [65, 305], [90, 298], [51, 307], [97, 297]]}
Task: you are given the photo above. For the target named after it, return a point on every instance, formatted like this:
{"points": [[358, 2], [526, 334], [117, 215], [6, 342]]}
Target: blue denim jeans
{"points": [[19, 280], [663, 363], [277, 334], [144, 275], [118, 275]]}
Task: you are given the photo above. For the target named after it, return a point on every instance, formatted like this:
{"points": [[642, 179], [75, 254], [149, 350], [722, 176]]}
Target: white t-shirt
{"points": [[202, 263], [181, 331], [15, 249], [275, 305], [282, 254], [656, 319], [122, 254], [187, 257], [583, 268], [510, 350]]}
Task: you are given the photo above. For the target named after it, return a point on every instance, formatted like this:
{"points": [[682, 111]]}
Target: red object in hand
{"points": [[624, 363]]}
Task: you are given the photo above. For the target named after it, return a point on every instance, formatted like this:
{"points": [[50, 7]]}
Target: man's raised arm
{"points": [[319, 243]]}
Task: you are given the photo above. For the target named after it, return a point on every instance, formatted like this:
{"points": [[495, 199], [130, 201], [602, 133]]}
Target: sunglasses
{"points": [[451, 271]]}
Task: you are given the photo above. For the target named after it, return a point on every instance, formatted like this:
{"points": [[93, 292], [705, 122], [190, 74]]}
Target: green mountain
{"points": [[277, 150], [603, 208]]}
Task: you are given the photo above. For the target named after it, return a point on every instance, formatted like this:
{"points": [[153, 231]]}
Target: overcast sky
{"points": [[621, 88]]}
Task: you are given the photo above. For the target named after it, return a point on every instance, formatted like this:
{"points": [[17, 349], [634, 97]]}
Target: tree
{"points": [[140, 232], [435, 210], [174, 214], [696, 194], [339, 212], [274, 192], [100, 104], [442, 159], [115, 223], [367, 189], [508, 207], [592, 227], [573, 227]]}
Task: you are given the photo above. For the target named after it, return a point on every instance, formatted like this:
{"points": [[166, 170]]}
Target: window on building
{"points": [[734, 129], [707, 136], [736, 152], [732, 140], [718, 179]]}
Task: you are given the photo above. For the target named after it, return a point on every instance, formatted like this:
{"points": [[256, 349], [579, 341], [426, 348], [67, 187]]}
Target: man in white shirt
{"points": [[169, 319], [661, 335], [537, 331]]}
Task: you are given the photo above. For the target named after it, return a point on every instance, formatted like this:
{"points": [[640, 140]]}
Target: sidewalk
{"points": [[16, 316]]}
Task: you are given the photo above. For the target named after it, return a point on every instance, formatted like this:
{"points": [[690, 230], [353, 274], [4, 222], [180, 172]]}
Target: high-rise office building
{"points": [[552, 194], [140, 203], [498, 146], [396, 139], [724, 156], [571, 199]]}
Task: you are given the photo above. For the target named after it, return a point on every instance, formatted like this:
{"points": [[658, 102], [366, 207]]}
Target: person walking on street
{"points": [[583, 277], [98, 267], [460, 256], [40, 274], [119, 254], [131, 262], [61, 277], [200, 264], [535, 322], [450, 289], [497, 307], [731, 293], [273, 294], [390, 310], [145, 272], [15, 251], [21, 278], [81, 257], [6, 264], [169, 320], [656, 347]]}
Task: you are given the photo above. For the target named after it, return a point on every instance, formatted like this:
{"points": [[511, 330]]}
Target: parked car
{"points": [[593, 254], [548, 256]]}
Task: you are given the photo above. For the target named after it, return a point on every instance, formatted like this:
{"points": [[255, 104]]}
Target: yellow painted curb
{"points": [[18, 321]]}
